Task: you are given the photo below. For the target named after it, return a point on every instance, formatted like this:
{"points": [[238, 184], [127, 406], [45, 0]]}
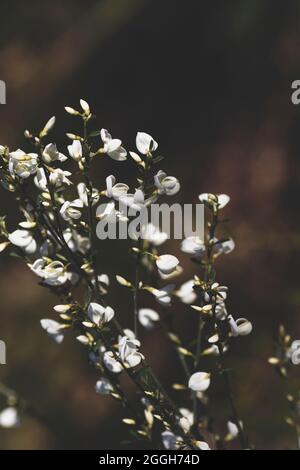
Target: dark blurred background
{"points": [[211, 81]]}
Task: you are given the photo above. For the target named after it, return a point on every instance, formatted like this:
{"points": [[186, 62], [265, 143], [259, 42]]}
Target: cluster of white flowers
{"points": [[214, 318], [137, 200], [57, 241]]}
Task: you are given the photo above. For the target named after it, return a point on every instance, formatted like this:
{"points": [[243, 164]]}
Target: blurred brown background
{"points": [[211, 81]]}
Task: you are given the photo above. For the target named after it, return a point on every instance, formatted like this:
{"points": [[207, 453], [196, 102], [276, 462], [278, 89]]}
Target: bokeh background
{"points": [[211, 81]]}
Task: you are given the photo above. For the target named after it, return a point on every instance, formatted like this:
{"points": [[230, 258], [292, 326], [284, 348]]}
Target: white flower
{"points": [[131, 335], [145, 143], [153, 235], [186, 292], [148, 317], [70, 209], [233, 430], [135, 201], [163, 295], [40, 179], [167, 263], [224, 247], [51, 154], [128, 351], [187, 420], [104, 279], [199, 381], [9, 417], [75, 150], [185, 425], [223, 200], [22, 164], [168, 185], [103, 386], [221, 291], [115, 190], [172, 274], [239, 327], [83, 194], [202, 445], [170, 441], [112, 364], [53, 329], [108, 212], [215, 200], [193, 245], [23, 239], [126, 355], [294, 352], [99, 314], [57, 178], [113, 147], [53, 273]]}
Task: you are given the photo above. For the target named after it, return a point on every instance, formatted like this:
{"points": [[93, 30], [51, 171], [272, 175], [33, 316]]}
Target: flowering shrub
{"points": [[57, 240]]}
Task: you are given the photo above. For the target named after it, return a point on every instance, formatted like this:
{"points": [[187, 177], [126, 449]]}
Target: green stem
{"points": [[56, 236]]}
